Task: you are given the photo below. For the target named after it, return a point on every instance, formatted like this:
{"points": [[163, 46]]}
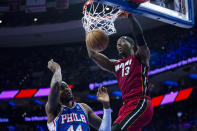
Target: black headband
{"points": [[129, 39]]}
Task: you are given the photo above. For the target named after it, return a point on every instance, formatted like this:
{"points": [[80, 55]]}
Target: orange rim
{"points": [[92, 1], [87, 3]]}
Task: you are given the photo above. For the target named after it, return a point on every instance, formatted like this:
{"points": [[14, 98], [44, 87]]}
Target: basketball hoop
{"points": [[100, 16]]}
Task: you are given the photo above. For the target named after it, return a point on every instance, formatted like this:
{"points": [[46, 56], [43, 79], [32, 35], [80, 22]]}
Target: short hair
{"points": [[64, 84]]}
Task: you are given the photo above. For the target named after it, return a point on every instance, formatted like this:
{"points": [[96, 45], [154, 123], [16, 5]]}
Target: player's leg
{"points": [[116, 127], [144, 118], [133, 118]]}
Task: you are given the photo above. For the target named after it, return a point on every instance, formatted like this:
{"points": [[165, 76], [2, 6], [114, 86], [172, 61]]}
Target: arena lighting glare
{"points": [[26, 93], [39, 102], [169, 98], [4, 120], [100, 112], [92, 97], [45, 91], [36, 118], [11, 103], [179, 114], [157, 100], [172, 97], [35, 19], [1, 21], [184, 94], [42, 92], [193, 76], [170, 83], [8, 94], [107, 8], [11, 128], [117, 93], [172, 66], [104, 83]]}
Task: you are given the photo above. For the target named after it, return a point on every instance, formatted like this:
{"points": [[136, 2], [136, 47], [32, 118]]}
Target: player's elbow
{"points": [[50, 108], [91, 54], [56, 84]]}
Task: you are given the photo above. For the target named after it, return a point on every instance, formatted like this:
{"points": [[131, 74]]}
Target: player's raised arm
{"points": [[136, 30], [143, 51], [101, 60], [94, 120], [53, 97]]}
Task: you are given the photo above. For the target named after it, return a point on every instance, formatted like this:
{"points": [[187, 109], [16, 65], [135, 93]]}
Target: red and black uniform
{"points": [[137, 109]]}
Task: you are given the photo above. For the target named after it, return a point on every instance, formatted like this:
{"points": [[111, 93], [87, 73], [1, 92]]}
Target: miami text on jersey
{"points": [[125, 67]]}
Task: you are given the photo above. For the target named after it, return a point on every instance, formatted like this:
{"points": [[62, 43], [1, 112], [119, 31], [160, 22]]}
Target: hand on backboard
{"points": [[125, 14]]}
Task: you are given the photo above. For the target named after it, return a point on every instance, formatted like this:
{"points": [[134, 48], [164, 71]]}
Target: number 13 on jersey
{"points": [[125, 67]]}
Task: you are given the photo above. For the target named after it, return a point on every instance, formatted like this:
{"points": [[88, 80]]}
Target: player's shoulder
{"points": [[52, 114], [86, 107], [113, 60]]}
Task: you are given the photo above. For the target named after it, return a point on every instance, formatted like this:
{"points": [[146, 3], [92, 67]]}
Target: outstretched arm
{"points": [[94, 120], [101, 60], [137, 31], [53, 97], [143, 51]]}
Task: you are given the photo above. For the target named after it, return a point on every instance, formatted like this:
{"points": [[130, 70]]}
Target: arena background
{"points": [[31, 36]]}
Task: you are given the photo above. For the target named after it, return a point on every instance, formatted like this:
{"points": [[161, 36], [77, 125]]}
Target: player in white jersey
{"points": [[64, 114]]}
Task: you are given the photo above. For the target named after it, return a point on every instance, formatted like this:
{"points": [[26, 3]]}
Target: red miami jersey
{"points": [[132, 77]]}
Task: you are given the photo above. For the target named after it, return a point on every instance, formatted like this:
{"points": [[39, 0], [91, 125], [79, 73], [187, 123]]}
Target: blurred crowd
{"points": [[181, 116], [177, 5], [168, 48]]}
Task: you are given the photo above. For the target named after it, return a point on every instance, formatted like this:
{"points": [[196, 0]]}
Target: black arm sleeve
{"points": [[137, 31]]}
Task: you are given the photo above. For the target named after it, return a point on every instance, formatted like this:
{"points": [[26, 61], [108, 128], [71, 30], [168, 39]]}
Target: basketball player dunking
{"points": [[132, 74], [66, 115]]}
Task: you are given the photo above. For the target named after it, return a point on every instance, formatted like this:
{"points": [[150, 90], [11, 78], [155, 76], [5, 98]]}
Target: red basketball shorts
{"points": [[134, 115]]}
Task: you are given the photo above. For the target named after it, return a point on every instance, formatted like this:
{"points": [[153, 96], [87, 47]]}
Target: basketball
{"points": [[97, 40]]}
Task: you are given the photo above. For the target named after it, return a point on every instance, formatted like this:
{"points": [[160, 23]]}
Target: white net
{"points": [[100, 16]]}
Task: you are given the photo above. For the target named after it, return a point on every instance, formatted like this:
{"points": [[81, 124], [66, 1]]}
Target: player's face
{"points": [[123, 47], [65, 93]]}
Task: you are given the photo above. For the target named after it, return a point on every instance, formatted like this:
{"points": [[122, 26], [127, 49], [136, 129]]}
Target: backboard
{"points": [[176, 12]]}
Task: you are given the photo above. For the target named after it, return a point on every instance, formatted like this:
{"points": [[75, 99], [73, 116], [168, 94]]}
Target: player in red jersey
{"points": [[132, 74]]}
